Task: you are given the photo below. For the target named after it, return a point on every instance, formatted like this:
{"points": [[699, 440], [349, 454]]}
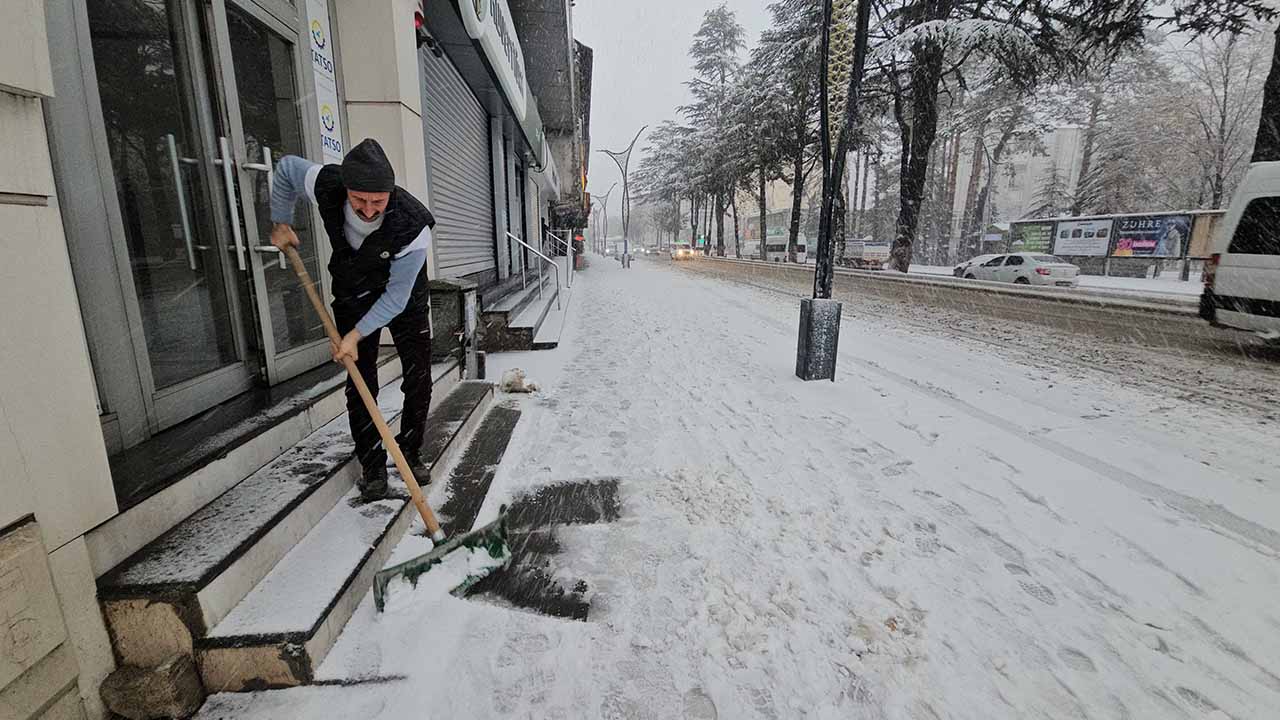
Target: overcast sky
{"points": [[641, 64]]}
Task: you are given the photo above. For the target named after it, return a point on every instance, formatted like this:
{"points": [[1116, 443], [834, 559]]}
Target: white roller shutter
{"points": [[457, 136]]}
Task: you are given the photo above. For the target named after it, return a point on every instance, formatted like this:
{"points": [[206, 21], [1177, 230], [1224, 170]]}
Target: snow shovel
{"points": [[491, 539]]}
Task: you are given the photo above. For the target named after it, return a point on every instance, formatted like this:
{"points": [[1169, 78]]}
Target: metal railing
{"points": [[568, 253], [545, 259]]}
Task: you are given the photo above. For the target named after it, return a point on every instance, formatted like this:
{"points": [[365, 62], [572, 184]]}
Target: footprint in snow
{"points": [[1039, 592], [1076, 660], [698, 706]]}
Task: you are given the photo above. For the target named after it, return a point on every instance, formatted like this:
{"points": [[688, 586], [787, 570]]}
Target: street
{"points": [[949, 530]]}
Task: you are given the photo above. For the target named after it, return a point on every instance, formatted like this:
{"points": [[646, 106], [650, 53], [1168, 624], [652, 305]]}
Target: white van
{"points": [[1242, 278]]}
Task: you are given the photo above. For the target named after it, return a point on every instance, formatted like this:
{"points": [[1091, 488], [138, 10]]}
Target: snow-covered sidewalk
{"points": [[941, 533]]}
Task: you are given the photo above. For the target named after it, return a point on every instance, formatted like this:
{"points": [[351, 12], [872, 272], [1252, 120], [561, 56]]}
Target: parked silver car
{"points": [[960, 270], [1027, 269]]}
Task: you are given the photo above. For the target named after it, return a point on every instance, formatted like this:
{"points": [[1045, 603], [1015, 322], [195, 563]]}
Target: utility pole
{"points": [[844, 49], [623, 159]]}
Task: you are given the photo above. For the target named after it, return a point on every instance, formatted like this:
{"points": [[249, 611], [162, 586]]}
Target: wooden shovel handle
{"points": [[388, 439]]}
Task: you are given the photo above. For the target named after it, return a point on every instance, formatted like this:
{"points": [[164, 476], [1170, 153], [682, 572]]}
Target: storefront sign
{"points": [[321, 43], [322, 68], [1083, 238], [1031, 237], [330, 123], [488, 22], [1151, 235]]}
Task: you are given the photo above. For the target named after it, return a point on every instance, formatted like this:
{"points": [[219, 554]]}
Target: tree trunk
{"points": [[706, 224], [971, 193], [693, 221], [762, 200], [737, 238], [859, 159], [1086, 152], [929, 203], [926, 72], [719, 224], [797, 197], [1220, 155], [951, 193], [879, 229], [1267, 145], [839, 213], [858, 218]]}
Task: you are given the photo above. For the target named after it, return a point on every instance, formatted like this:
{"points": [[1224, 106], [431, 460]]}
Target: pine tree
{"points": [[1051, 193], [714, 53], [788, 54]]}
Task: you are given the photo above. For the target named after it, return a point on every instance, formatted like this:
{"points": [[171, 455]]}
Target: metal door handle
{"points": [[228, 178], [272, 249], [267, 166], [176, 167]]}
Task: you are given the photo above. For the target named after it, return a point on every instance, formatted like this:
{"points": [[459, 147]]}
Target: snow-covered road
{"points": [[944, 532]]}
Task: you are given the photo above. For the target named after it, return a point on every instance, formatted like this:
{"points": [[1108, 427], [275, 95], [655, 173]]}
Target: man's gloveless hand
{"points": [[348, 348], [282, 236]]}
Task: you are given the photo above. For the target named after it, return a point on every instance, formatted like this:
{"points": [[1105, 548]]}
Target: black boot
{"points": [[373, 484], [421, 469]]}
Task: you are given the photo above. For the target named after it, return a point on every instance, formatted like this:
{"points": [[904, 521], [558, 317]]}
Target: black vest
{"points": [[365, 272]]}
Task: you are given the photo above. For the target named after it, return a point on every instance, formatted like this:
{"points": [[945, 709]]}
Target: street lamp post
{"points": [[844, 48], [603, 240], [623, 159]]}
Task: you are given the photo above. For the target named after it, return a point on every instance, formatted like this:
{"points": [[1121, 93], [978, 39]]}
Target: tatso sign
{"points": [[488, 22], [322, 69]]}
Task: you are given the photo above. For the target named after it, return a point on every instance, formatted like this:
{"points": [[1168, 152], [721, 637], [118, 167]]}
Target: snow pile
{"points": [[513, 381]]}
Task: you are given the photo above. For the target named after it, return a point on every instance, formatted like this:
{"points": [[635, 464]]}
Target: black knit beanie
{"points": [[366, 168]]}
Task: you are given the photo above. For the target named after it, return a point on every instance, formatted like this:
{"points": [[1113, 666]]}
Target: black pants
{"points": [[411, 332]]}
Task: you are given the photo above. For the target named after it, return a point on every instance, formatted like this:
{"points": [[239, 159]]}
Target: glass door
{"points": [[178, 264], [257, 59]]}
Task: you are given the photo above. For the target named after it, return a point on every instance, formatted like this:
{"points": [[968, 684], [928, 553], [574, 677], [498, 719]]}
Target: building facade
{"points": [[135, 171]]}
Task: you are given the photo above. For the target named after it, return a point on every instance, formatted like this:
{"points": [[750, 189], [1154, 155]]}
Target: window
{"points": [[994, 262], [1259, 230], [1014, 260]]}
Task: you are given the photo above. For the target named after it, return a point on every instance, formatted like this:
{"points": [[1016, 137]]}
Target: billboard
{"points": [[1031, 237], [1151, 235], [1088, 238], [876, 252]]}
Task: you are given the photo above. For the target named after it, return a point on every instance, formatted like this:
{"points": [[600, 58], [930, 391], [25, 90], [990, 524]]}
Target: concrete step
{"points": [[466, 489], [283, 629], [281, 632], [469, 482], [548, 335], [518, 333], [514, 302], [513, 321], [170, 593], [187, 467]]}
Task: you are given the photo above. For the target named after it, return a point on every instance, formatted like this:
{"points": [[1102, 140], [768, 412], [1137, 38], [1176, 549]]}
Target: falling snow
{"points": [[952, 529]]}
